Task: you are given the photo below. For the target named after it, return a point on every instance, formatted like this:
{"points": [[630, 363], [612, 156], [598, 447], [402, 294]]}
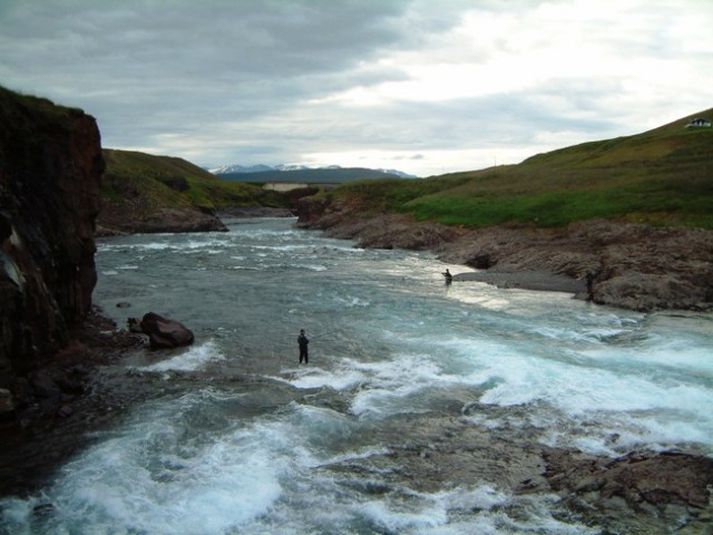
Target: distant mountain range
{"points": [[332, 174]]}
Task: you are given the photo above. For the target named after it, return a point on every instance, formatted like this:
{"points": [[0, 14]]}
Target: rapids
{"points": [[372, 435]]}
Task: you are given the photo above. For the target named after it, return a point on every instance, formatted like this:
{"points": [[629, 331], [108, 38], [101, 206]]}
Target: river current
{"points": [[240, 438]]}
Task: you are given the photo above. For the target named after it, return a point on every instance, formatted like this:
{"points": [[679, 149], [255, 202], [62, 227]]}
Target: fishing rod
{"points": [[321, 335]]}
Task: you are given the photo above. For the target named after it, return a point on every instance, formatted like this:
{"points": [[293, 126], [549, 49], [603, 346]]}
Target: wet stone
{"points": [[7, 403]]}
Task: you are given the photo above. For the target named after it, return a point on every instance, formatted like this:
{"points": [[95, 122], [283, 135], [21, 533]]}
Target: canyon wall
{"points": [[50, 169]]}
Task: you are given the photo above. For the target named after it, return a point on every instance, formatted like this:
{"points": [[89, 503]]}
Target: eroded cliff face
{"points": [[50, 169]]}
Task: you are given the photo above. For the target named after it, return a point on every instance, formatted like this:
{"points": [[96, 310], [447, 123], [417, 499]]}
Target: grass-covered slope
{"points": [[145, 183], [310, 176], [662, 177]]}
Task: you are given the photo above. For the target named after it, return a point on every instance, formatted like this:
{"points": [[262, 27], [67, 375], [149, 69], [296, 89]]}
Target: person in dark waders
{"points": [[303, 341], [447, 275]]}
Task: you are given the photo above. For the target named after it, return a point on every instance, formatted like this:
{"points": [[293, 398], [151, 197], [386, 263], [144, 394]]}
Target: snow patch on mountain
{"points": [[259, 168]]}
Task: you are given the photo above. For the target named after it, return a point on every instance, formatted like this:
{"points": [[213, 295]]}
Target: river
{"points": [[414, 414]]}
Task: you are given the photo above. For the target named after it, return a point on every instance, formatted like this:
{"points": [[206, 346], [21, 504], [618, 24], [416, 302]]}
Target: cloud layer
{"points": [[423, 86]]}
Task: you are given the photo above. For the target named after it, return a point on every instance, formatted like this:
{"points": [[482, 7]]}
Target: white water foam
{"points": [[292, 266], [382, 388], [286, 248], [194, 359], [481, 510], [162, 473], [389, 384], [315, 377], [150, 477], [254, 233], [187, 245], [631, 389], [350, 301]]}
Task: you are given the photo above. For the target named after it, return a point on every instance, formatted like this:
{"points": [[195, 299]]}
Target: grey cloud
{"points": [[240, 81], [496, 120], [147, 67], [244, 38]]}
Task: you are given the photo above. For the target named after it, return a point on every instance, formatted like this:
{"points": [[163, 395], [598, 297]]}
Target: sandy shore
{"points": [[528, 280]]}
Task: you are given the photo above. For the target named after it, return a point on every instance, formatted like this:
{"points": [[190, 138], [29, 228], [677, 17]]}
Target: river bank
{"points": [[62, 401], [422, 407], [636, 267]]}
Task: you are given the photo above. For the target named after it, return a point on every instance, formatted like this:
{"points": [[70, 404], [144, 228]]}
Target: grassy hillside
{"points": [[146, 182], [310, 176], [662, 177], [9, 98]]}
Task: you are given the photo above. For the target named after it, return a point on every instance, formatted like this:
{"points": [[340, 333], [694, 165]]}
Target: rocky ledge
{"points": [[59, 402], [637, 267], [113, 221]]}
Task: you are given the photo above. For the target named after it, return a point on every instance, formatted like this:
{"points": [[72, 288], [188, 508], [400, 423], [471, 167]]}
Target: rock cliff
{"points": [[50, 169]]}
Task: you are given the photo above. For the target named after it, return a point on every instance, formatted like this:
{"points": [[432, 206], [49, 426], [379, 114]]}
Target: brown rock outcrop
{"points": [[115, 221], [633, 266], [641, 492], [658, 479], [50, 169]]}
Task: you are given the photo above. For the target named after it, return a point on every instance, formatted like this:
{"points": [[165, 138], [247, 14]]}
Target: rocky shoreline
{"points": [[639, 492], [113, 222], [61, 401], [630, 266]]}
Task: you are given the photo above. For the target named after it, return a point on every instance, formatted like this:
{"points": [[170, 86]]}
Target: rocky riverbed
{"points": [[448, 447]]}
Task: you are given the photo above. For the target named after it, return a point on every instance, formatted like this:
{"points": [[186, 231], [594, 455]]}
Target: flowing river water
{"points": [[416, 413]]}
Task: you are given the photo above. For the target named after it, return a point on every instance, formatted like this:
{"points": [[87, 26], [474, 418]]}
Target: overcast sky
{"points": [[424, 86]]}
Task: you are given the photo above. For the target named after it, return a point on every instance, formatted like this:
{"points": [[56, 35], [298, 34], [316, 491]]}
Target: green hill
{"points": [[146, 193], [338, 175], [173, 182], [661, 177]]}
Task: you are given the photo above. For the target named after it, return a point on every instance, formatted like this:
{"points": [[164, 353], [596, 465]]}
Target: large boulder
{"points": [[165, 333]]}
